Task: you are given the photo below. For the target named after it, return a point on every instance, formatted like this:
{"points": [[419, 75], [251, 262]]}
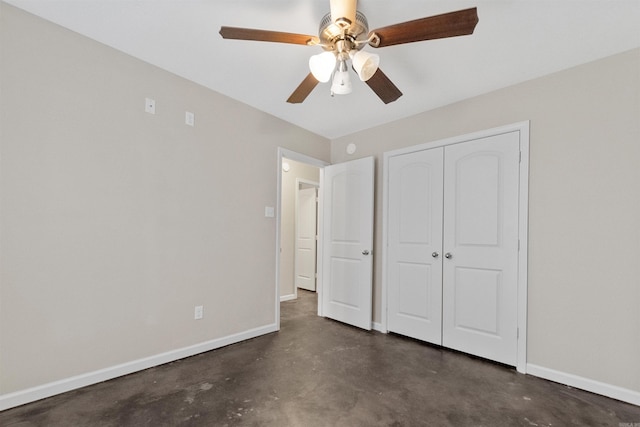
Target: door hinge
{"points": [[518, 333], [518, 244], [520, 157]]}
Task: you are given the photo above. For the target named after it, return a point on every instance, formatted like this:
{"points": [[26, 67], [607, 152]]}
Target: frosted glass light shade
{"points": [[343, 9], [341, 83], [322, 66], [365, 64]]}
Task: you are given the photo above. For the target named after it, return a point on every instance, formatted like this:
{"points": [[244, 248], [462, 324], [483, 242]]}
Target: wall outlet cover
{"points": [[198, 312]]}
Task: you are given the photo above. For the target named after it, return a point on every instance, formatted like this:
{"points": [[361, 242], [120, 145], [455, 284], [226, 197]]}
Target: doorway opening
{"points": [[345, 239], [298, 228], [299, 178]]}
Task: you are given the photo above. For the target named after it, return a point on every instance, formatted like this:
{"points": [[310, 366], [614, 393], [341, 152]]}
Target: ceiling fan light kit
{"points": [[322, 66], [365, 63], [344, 32], [341, 81]]}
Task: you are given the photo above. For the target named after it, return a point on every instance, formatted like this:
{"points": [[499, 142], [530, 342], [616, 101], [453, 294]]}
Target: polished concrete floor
{"points": [[317, 372]]}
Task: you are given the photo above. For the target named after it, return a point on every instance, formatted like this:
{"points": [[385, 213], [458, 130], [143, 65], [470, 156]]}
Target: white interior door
{"points": [[347, 236], [305, 251], [480, 265], [414, 276]]}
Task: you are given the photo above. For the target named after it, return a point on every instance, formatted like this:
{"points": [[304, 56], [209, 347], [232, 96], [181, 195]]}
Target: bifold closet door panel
{"points": [[414, 274], [480, 245]]}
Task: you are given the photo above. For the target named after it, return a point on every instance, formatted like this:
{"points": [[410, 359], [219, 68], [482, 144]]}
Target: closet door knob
{"points": [[448, 255], [435, 254], [365, 252]]}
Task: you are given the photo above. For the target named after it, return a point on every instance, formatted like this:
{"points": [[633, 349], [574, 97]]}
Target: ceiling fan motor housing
{"points": [[331, 33]]}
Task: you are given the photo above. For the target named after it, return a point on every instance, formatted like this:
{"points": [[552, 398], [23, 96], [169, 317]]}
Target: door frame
{"points": [[523, 221], [296, 226], [282, 154]]}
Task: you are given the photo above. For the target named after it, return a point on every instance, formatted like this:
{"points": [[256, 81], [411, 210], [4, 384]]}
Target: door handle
{"points": [[365, 252], [448, 255], [435, 254]]}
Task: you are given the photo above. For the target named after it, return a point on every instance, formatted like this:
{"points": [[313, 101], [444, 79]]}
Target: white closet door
{"points": [[414, 278], [480, 267]]}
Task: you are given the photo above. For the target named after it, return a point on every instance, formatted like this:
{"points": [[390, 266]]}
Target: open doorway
{"points": [[345, 239], [296, 266], [298, 228]]}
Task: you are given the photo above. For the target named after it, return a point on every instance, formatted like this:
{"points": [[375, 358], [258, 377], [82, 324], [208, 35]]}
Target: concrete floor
{"points": [[317, 372]]}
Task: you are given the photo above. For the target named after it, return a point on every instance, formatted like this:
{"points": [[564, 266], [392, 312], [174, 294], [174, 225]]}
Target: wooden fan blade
{"points": [[267, 36], [383, 87], [451, 24], [303, 90]]}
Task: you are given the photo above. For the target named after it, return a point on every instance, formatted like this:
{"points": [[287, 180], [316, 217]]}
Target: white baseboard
{"points": [[18, 398], [287, 297], [615, 392]]}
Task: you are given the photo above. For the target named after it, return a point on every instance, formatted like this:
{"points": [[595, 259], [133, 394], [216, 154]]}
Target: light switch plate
{"points": [[198, 312], [189, 118]]}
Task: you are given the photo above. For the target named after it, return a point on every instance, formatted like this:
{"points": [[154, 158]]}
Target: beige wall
{"points": [[584, 226], [115, 223], [287, 220]]}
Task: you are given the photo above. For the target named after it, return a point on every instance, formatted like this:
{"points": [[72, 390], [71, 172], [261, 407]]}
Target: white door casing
{"points": [[480, 244], [305, 235], [414, 245], [347, 242]]}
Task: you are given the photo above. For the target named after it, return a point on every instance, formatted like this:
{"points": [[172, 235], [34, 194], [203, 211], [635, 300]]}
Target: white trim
{"points": [[289, 297], [47, 390], [307, 182], [303, 158], [520, 126], [523, 212], [320, 247], [523, 257], [604, 389], [376, 326], [384, 313]]}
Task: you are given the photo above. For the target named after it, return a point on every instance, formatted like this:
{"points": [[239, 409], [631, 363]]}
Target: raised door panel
{"points": [[414, 268]]}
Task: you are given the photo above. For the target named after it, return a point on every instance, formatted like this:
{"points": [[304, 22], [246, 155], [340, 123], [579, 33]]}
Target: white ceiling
{"points": [[515, 41]]}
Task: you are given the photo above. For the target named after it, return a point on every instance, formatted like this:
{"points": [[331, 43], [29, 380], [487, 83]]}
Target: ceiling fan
{"points": [[343, 33]]}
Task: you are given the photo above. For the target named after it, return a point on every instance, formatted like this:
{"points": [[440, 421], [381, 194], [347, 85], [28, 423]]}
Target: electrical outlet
{"points": [[198, 312]]}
